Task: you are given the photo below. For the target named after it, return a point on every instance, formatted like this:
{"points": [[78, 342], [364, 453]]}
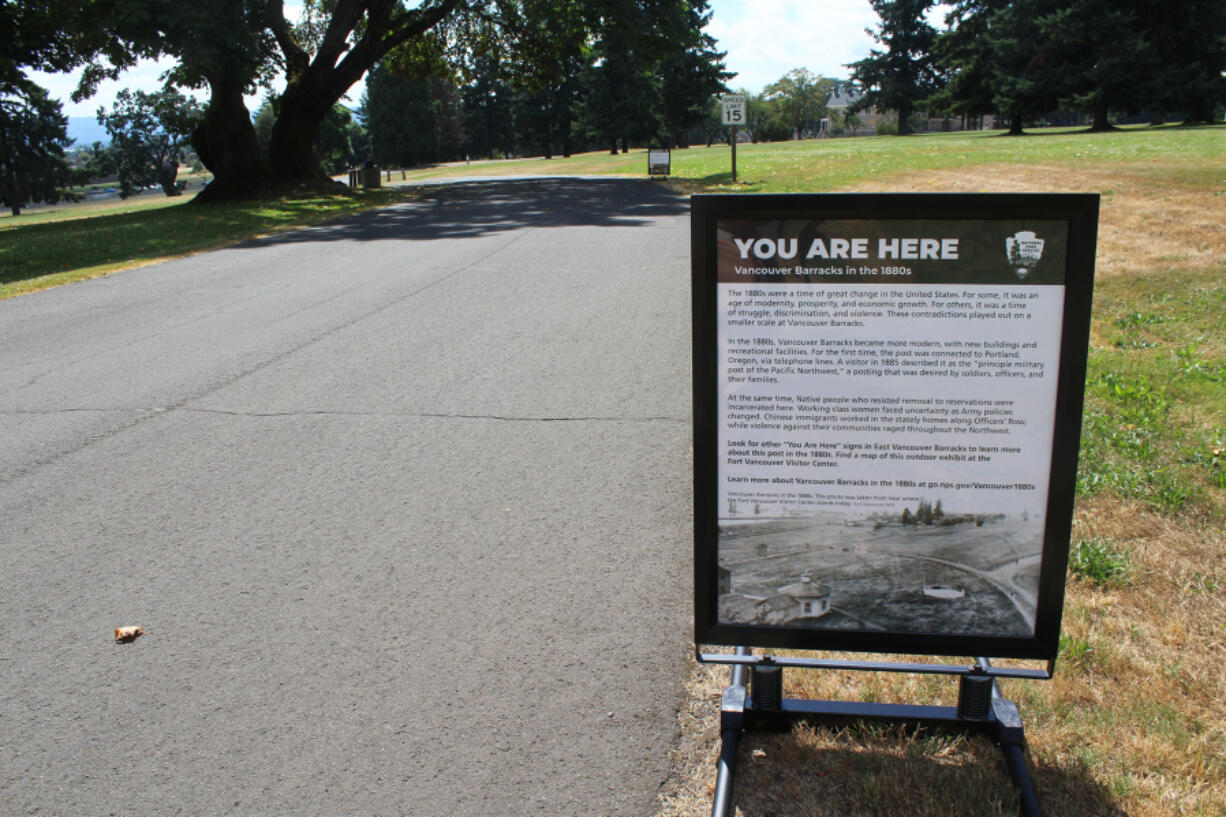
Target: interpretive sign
{"points": [[659, 161], [888, 394]]}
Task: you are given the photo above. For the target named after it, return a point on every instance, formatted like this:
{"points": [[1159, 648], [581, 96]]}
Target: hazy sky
{"points": [[767, 38], [764, 39]]}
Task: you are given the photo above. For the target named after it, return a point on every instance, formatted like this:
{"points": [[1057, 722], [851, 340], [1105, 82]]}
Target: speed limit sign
{"points": [[734, 109]]}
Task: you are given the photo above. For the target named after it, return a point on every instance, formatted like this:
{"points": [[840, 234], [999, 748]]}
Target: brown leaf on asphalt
{"points": [[128, 633]]}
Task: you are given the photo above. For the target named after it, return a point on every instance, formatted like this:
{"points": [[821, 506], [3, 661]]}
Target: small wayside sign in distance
{"points": [[734, 109]]}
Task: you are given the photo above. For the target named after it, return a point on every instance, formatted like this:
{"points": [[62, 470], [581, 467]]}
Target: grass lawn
{"points": [[46, 248], [1135, 721], [49, 247]]}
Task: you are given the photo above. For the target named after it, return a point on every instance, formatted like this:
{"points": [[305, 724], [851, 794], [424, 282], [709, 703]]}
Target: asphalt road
{"points": [[403, 504]]}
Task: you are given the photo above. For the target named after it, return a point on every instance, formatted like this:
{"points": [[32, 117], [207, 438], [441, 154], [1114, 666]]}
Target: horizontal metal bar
{"points": [[845, 713], [867, 710], [875, 666]]}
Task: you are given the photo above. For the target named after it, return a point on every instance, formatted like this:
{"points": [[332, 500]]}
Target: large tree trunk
{"points": [[225, 142], [291, 149], [904, 120], [1200, 111], [1100, 123], [1015, 125], [168, 174]]}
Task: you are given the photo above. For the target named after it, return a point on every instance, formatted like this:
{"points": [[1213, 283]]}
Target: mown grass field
{"points": [[1135, 721], [46, 248]]}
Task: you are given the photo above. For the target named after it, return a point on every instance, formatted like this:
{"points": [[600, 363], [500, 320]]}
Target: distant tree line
{"points": [[626, 85], [1021, 59], [626, 58], [550, 77], [796, 106]]}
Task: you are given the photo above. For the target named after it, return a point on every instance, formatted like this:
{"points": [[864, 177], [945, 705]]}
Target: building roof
{"points": [[806, 588], [842, 97]]}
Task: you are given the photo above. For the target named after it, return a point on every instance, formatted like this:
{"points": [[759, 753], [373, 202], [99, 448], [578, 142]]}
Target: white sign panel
{"points": [[733, 109]]}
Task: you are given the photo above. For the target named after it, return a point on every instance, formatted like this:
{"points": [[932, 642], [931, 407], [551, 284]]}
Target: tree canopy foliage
{"points": [[148, 134], [555, 84], [543, 47], [800, 97], [500, 77], [1024, 58]]}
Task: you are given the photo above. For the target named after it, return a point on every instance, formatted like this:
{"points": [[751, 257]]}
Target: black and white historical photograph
{"points": [[922, 569]]}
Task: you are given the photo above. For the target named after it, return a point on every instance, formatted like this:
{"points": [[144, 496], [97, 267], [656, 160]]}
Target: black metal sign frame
{"points": [[776, 245]]}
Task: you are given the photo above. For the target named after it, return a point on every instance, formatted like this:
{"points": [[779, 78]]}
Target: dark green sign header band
{"points": [[924, 251]]}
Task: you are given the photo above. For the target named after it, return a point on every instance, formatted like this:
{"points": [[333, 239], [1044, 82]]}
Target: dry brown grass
{"points": [[1134, 722], [1145, 224]]}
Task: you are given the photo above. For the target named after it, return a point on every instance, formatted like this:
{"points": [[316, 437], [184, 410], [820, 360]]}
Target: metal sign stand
{"points": [[753, 296], [733, 114], [760, 704]]}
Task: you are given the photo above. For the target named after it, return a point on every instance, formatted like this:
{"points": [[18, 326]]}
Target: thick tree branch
{"points": [[380, 38], [416, 22], [296, 58], [344, 20]]}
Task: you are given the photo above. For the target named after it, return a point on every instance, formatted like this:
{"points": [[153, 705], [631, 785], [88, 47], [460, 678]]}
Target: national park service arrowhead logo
{"points": [[1024, 250]]}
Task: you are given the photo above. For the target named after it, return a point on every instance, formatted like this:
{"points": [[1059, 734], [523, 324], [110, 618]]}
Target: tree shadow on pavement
{"points": [[470, 209]]}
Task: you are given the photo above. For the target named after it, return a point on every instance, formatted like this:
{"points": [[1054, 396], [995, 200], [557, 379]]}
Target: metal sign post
{"points": [[887, 409], [733, 115]]}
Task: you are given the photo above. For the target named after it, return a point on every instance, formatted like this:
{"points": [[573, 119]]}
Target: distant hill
{"points": [[86, 130]]}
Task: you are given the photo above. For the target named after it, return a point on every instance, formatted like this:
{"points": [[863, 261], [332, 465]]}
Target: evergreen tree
{"points": [[487, 101], [638, 43], [690, 75], [1187, 72], [399, 115], [968, 69], [1098, 49], [1000, 59], [33, 136], [263, 121], [905, 72], [621, 99], [338, 141], [543, 72]]}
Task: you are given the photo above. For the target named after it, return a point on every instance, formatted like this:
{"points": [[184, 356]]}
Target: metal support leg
{"points": [[1012, 739], [731, 726]]}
